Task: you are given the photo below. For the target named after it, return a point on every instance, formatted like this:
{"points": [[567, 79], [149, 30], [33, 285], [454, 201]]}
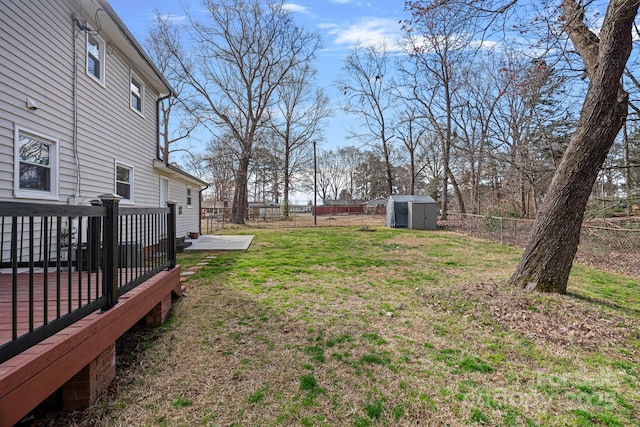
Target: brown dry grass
{"points": [[397, 327], [305, 220]]}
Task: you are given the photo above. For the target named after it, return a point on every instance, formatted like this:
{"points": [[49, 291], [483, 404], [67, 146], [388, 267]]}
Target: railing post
{"points": [[111, 254], [171, 233], [93, 241]]}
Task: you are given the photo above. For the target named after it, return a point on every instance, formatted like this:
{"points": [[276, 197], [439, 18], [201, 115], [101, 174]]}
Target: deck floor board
{"points": [[75, 290]]}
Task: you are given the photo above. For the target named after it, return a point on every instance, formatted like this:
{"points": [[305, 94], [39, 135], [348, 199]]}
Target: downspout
{"points": [[76, 31], [158, 102], [200, 208]]}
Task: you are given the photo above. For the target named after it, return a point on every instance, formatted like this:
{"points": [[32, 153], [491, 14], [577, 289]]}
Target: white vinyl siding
{"points": [[188, 220], [37, 67], [41, 67], [112, 134]]}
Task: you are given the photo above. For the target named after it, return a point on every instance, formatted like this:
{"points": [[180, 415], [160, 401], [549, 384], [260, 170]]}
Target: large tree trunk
{"points": [[554, 239], [388, 167], [445, 181], [239, 208], [457, 192], [287, 178]]}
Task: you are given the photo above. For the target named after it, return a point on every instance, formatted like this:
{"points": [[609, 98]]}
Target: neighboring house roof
{"points": [[174, 171], [263, 205], [374, 202], [124, 41]]}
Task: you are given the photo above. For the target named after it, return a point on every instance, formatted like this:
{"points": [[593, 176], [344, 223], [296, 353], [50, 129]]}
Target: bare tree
{"points": [[411, 130], [296, 122], [480, 95], [329, 178], [350, 159], [220, 159], [369, 94], [429, 155], [524, 113], [553, 242], [371, 176], [332, 178], [437, 42], [239, 57], [265, 172]]}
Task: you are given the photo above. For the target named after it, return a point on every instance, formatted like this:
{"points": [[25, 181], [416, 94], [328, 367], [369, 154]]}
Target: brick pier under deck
{"points": [[81, 358]]}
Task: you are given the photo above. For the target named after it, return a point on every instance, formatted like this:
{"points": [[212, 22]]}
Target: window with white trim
{"points": [[36, 165], [124, 182], [95, 57], [136, 93], [189, 204]]}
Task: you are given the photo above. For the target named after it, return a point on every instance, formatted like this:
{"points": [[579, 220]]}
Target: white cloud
{"points": [[327, 26], [357, 3], [485, 44], [368, 30], [293, 7], [172, 18]]}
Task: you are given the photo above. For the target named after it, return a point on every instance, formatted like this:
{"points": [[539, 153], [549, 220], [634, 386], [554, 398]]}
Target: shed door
{"points": [[418, 216]]}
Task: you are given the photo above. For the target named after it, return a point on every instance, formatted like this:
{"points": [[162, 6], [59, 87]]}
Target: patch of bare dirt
{"points": [[544, 318]]}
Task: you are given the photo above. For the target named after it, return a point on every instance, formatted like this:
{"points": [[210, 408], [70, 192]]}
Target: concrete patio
{"points": [[209, 242]]}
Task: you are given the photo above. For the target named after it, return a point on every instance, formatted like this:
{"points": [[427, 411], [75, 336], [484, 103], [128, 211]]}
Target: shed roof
{"points": [[411, 198]]}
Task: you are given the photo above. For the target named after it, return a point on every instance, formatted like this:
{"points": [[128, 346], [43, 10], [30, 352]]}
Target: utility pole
{"points": [[315, 186]]}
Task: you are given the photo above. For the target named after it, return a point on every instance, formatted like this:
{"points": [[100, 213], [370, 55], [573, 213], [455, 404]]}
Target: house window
{"points": [[188, 197], [36, 170], [137, 93], [124, 182], [95, 58]]}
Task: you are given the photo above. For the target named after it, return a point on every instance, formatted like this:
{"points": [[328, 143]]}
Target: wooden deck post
{"points": [[110, 250]]}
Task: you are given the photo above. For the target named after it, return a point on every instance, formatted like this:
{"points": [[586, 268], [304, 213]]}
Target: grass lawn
{"points": [[343, 327]]}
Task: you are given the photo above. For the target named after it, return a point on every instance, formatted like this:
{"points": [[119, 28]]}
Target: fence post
{"points": [[111, 254], [171, 233], [501, 232]]}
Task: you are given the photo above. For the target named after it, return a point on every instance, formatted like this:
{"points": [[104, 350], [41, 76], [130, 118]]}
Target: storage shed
{"points": [[416, 212]]}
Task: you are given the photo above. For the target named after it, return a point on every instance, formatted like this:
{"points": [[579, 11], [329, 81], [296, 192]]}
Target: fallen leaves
{"points": [[546, 318]]}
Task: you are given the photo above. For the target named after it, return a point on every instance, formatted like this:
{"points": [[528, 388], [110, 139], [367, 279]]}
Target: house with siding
{"points": [[79, 103]]}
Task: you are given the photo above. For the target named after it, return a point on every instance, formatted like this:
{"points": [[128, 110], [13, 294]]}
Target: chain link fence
{"points": [[611, 248], [211, 224]]}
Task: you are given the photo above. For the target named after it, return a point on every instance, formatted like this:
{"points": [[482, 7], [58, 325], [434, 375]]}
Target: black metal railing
{"points": [[60, 263]]}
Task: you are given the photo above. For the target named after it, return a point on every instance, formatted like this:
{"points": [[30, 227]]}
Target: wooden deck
{"points": [[29, 378], [65, 292]]}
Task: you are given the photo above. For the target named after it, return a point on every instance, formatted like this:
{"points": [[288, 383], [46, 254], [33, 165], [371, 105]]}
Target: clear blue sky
{"points": [[341, 23]]}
